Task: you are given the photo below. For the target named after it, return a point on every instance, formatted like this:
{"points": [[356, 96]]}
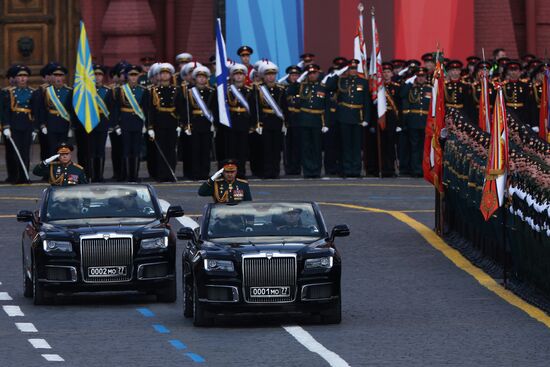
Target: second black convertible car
{"points": [[99, 238], [258, 257]]}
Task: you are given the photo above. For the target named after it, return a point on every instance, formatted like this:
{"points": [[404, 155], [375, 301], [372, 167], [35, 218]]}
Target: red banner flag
{"points": [[543, 112], [484, 112]]}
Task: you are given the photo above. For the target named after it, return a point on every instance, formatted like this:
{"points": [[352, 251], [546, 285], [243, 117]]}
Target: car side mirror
{"points": [[186, 233], [25, 216], [174, 212], [341, 230]]}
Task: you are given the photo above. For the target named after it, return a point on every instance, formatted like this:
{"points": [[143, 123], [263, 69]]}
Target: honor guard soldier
{"points": [[398, 66], [457, 93], [164, 123], [181, 60], [482, 67], [242, 107], [19, 126], [56, 110], [130, 111], [146, 63], [352, 113], [202, 102], [538, 80], [244, 53], [518, 95], [306, 59], [4, 92], [415, 104], [98, 136], [272, 116], [312, 99], [119, 166], [293, 153], [225, 187], [62, 172], [184, 143], [470, 76]]}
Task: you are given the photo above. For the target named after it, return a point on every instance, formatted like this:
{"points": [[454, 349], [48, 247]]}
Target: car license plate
{"points": [[269, 291], [106, 271]]}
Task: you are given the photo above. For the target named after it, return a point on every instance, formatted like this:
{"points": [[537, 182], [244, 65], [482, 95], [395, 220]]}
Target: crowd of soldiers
{"points": [[311, 121]]}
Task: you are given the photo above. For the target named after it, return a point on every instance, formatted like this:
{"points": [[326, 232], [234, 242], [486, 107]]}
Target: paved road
{"points": [[404, 302]]}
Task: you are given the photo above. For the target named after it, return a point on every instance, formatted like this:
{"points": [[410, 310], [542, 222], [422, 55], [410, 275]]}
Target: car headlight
{"points": [[218, 265], [319, 263], [57, 246], [154, 243]]}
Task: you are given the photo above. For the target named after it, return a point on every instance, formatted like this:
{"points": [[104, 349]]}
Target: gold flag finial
{"points": [[360, 7], [372, 10]]}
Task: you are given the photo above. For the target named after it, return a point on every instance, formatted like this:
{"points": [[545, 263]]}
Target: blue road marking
{"points": [[195, 357], [146, 312], [177, 344], [161, 329]]}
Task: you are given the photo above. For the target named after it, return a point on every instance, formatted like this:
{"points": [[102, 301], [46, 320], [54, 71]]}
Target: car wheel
{"points": [[200, 315], [27, 284], [40, 296], [169, 293], [333, 315], [187, 297]]}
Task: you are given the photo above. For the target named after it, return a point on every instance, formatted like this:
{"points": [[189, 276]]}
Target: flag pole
{"points": [[378, 133]]}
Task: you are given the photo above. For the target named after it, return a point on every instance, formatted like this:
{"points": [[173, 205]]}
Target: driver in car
{"points": [[291, 220]]}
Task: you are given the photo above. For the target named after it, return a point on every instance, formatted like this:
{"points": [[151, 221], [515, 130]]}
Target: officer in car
{"points": [[291, 219], [62, 172], [225, 187]]}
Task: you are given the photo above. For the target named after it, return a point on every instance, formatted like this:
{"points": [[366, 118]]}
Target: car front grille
{"points": [[106, 251], [269, 270]]}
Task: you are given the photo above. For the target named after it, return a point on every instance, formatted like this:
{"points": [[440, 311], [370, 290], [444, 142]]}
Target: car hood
{"points": [[74, 231]]}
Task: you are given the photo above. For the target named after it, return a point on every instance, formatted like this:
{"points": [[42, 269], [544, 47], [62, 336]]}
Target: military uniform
{"points": [[60, 174], [292, 153], [98, 136], [226, 192], [354, 107], [518, 96]]}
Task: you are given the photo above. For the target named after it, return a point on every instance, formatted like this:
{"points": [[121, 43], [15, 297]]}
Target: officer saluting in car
{"points": [[227, 189], [62, 172]]}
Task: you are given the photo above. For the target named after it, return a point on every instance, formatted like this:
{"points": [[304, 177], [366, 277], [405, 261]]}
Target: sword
{"points": [[19, 157], [165, 160]]}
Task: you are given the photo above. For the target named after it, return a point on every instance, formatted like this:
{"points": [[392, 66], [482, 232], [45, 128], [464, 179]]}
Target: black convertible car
{"points": [[260, 257], [99, 238]]}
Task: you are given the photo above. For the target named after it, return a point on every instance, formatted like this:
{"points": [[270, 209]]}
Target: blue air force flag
{"points": [[222, 74]]}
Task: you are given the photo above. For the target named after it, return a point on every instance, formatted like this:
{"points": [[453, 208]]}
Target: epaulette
{"points": [[209, 87], [77, 165], [395, 84], [7, 89], [69, 88], [248, 87], [525, 80], [141, 86], [242, 180], [280, 85], [44, 85], [219, 179]]}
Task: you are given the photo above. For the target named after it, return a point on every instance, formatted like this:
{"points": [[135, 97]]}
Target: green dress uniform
{"points": [[457, 96], [331, 139], [61, 175], [226, 192], [354, 107], [476, 94], [293, 153], [518, 96]]}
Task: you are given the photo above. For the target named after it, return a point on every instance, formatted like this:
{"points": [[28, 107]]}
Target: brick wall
{"points": [[195, 28], [494, 27]]}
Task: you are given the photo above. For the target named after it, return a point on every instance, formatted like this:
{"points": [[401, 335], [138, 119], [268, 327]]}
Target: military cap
{"points": [[293, 211], [260, 62], [339, 61], [528, 57], [538, 69], [245, 50], [313, 68], [188, 68], [413, 63], [10, 73], [99, 69], [166, 66], [472, 60], [353, 63], [59, 70], [503, 61], [428, 56], [229, 165], [308, 56], [184, 57], [398, 63], [293, 69], [483, 65], [454, 64], [422, 71], [153, 70], [387, 66], [212, 59], [64, 148], [22, 70], [268, 67], [132, 69], [147, 60], [512, 65], [47, 69], [201, 70], [238, 68], [118, 69], [534, 63]]}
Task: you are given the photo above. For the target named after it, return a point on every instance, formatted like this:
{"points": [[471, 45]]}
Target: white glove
{"points": [[216, 175], [398, 129], [259, 130], [535, 129], [410, 80], [34, 134], [341, 71], [212, 128], [70, 133], [324, 129], [284, 129], [51, 159], [178, 131], [143, 129], [7, 133], [118, 131], [188, 132], [151, 134], [402, 72], [283, 79], [300, 64], [364, 124], [302, 77], [44, 130]]}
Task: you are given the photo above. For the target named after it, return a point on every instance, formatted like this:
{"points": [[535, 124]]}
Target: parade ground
{"points": [[409, 299]]}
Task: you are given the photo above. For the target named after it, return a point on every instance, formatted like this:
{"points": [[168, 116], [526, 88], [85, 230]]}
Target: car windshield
{"points": [[263, 219], [102, 201]]}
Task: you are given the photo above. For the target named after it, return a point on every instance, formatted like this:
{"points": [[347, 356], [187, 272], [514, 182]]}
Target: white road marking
{"points": [[184, 221], [40, 343], [13, 311], [4, 296], [305, 338], [53, 357], [26, 327]]}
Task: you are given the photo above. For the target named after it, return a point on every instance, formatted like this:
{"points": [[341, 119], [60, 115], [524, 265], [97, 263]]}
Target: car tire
{"points": [[201, 317], [187, 289], [169, 293], [333, 315], [40, 296], [27, 284]]}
